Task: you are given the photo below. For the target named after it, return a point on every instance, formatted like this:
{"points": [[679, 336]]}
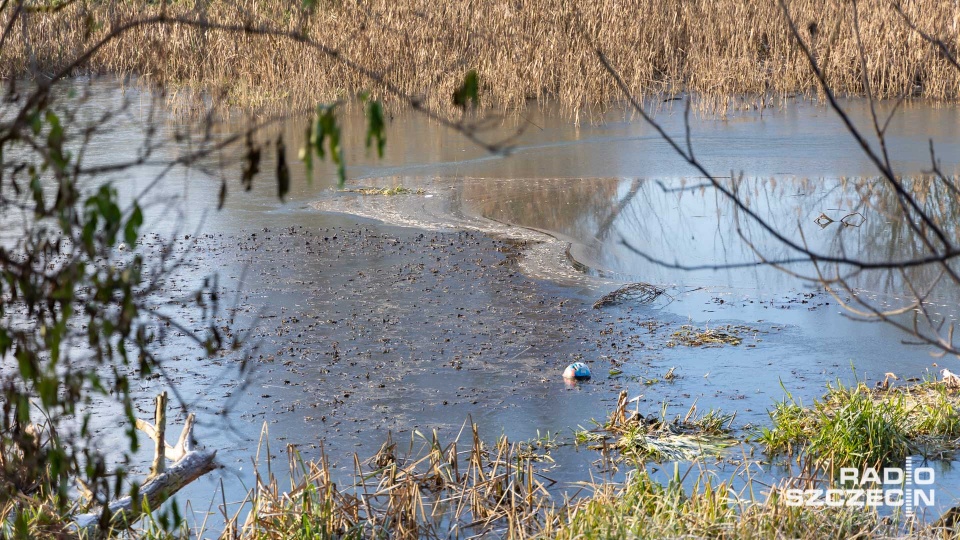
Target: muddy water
{"points": [[412, 313]]}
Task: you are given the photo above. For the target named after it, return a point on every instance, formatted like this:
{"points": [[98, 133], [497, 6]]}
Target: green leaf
{"points": [[326, 130], [47, 389], [23, 409], [40, 206], [376, 127], [319, 133], [55, 141], [89, 230], [107, 207], [132, 230], [25, 363], [468, 92], [36, 123]]}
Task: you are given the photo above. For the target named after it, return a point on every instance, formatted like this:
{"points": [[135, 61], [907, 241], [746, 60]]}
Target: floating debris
{"points": [[398, 190], [853, 219], [670, 375], [578, 371], [823, 220], [657, 438], [708, 337], [642, 293]]}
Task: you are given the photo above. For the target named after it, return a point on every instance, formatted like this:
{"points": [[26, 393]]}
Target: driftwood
{"points": [[188, 465]]}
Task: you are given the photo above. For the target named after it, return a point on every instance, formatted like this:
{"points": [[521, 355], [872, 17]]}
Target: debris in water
{"points": [[853, 219], [642, 293], [657, 438], [577, 370], [709, 337], [398, 190]]}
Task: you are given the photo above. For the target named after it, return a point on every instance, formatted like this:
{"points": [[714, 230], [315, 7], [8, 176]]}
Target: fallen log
{"points": [[189, 464]]}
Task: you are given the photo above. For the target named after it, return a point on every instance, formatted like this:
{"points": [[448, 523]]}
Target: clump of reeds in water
{"points": [[729, 53], [449, 491], [709, 337], [641, 438], [478, 490]]}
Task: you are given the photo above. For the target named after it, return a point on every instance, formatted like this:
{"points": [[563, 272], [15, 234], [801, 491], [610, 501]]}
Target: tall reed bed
{"points": [[468, 489], [454, 490], [731, 53]]}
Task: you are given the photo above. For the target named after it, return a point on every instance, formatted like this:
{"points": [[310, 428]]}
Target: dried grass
{"points": [[730, 53], [639, 438], [641, 293], [386, 191], [439, 491], [691, 336]]}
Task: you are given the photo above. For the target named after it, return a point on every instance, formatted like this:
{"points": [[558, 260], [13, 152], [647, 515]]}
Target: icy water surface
{"points": [[416, 312]]}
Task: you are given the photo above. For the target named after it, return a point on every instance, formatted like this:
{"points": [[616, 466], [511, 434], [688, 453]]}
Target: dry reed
{"points": [[440, 491], [481, 491], [628, 435], [727, 52]]}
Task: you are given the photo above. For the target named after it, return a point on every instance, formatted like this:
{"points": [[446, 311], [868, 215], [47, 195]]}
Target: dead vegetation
{"points": [[730, 53], [440, 490], [386, 191], [40, 512], [691, 336], [633, 436], [640, 293]]}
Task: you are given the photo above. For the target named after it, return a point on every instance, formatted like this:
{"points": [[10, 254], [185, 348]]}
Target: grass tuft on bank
{"points": [[858, 426], [646, 508]]}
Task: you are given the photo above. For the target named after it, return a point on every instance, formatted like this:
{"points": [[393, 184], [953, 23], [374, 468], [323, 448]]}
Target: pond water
{"points": [[374, 314]]}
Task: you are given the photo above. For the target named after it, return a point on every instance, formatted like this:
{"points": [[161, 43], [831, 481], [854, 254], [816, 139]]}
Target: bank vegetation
{"points": [[728, 53]]}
